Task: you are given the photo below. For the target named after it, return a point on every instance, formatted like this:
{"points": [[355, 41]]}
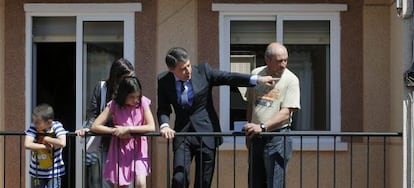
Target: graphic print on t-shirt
{"points": [[268, 98], [44, 156]]}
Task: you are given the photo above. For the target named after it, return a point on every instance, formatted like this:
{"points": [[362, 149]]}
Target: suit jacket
{"points": [[93, 111], [201, 116]]}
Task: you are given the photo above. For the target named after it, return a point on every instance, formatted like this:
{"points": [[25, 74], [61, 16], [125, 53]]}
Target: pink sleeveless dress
{"points": [[127, 157]]}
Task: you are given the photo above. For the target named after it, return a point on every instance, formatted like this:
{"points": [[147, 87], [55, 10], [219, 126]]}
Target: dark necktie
{"points": [[184, 93]]}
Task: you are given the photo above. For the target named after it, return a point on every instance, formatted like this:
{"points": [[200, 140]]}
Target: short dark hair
{"points": [[128, 85], [44, 111], [174, 55]]}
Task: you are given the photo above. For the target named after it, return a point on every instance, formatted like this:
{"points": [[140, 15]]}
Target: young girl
{"points": [[95, 160], [127, 158]]}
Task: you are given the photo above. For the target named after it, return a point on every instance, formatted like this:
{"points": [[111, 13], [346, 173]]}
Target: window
{"points": [[310, 32], [79, 42]]}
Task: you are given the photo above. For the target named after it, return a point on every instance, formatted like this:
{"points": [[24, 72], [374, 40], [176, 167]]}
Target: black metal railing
{"points": [[320, 159]]}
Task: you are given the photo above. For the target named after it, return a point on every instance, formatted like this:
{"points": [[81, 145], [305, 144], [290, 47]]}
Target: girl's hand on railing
{"points": [[121, 132]]}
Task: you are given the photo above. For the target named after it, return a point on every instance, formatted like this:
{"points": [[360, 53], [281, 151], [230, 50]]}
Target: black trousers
{"points": [[193, 148]]}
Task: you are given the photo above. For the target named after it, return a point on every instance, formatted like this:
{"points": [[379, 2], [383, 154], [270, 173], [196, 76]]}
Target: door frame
{"points": [[83, 12]]}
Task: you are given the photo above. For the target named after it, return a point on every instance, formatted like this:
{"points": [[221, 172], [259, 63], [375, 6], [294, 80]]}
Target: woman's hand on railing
{"points": [[81, 132]]}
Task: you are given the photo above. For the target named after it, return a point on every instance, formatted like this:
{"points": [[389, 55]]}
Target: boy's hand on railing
{"points": [[167, 132], [48, 146]]}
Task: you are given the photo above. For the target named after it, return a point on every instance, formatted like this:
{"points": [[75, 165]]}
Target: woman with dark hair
{"points": [[119, 69], [104, 91]]}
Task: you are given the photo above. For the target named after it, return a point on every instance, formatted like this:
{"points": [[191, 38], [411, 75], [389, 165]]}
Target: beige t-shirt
{"points": [[269, 100]]}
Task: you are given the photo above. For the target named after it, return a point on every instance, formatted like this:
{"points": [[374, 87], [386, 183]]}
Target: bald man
{"points": [[270, 109]]}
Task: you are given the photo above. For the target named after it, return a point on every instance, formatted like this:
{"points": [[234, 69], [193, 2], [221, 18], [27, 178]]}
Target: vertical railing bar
{"points": [[37, 163], [250, 177], [20, 164], [69, 160], [53, 165], [334, 163], [135, 155], [152, 154], [101, 164], [185, 172], [168, 163], [234, 161], [368, 138], [117, 158], [217, 166], [284, 160], [301, 162], [317, 161], [201, 162], [4, 161], [84, 161], [351, 160], [384, 165]]}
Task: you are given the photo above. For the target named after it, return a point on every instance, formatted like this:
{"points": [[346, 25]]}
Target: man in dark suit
{"points": [[188, 89]]}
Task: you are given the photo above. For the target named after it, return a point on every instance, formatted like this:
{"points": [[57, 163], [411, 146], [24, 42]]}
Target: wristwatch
{"points": [[263, 127]]}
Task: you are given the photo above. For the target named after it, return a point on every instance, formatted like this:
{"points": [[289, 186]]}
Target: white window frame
{"points": [[83, 12], [279, 13]]}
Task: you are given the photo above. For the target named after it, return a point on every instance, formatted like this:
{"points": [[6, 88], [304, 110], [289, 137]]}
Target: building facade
{"points": [[349, 55]]}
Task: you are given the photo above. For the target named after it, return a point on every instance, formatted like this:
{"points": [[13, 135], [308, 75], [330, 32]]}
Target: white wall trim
{"points": [[229, 7], [28, 86], [82, 7]]}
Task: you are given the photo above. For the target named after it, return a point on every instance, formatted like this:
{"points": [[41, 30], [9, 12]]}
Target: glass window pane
{"points": [[54, 29], [248, 43], [103, 31], [308, 43], [252, 32], [306, 32], [103, 44]]}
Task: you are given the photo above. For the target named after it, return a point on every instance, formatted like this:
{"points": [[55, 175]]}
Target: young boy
{"points": [[45, 138]]}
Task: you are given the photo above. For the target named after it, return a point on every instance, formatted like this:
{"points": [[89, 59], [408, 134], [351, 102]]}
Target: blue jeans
{"points": [[268, 159], [46, 182]]}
